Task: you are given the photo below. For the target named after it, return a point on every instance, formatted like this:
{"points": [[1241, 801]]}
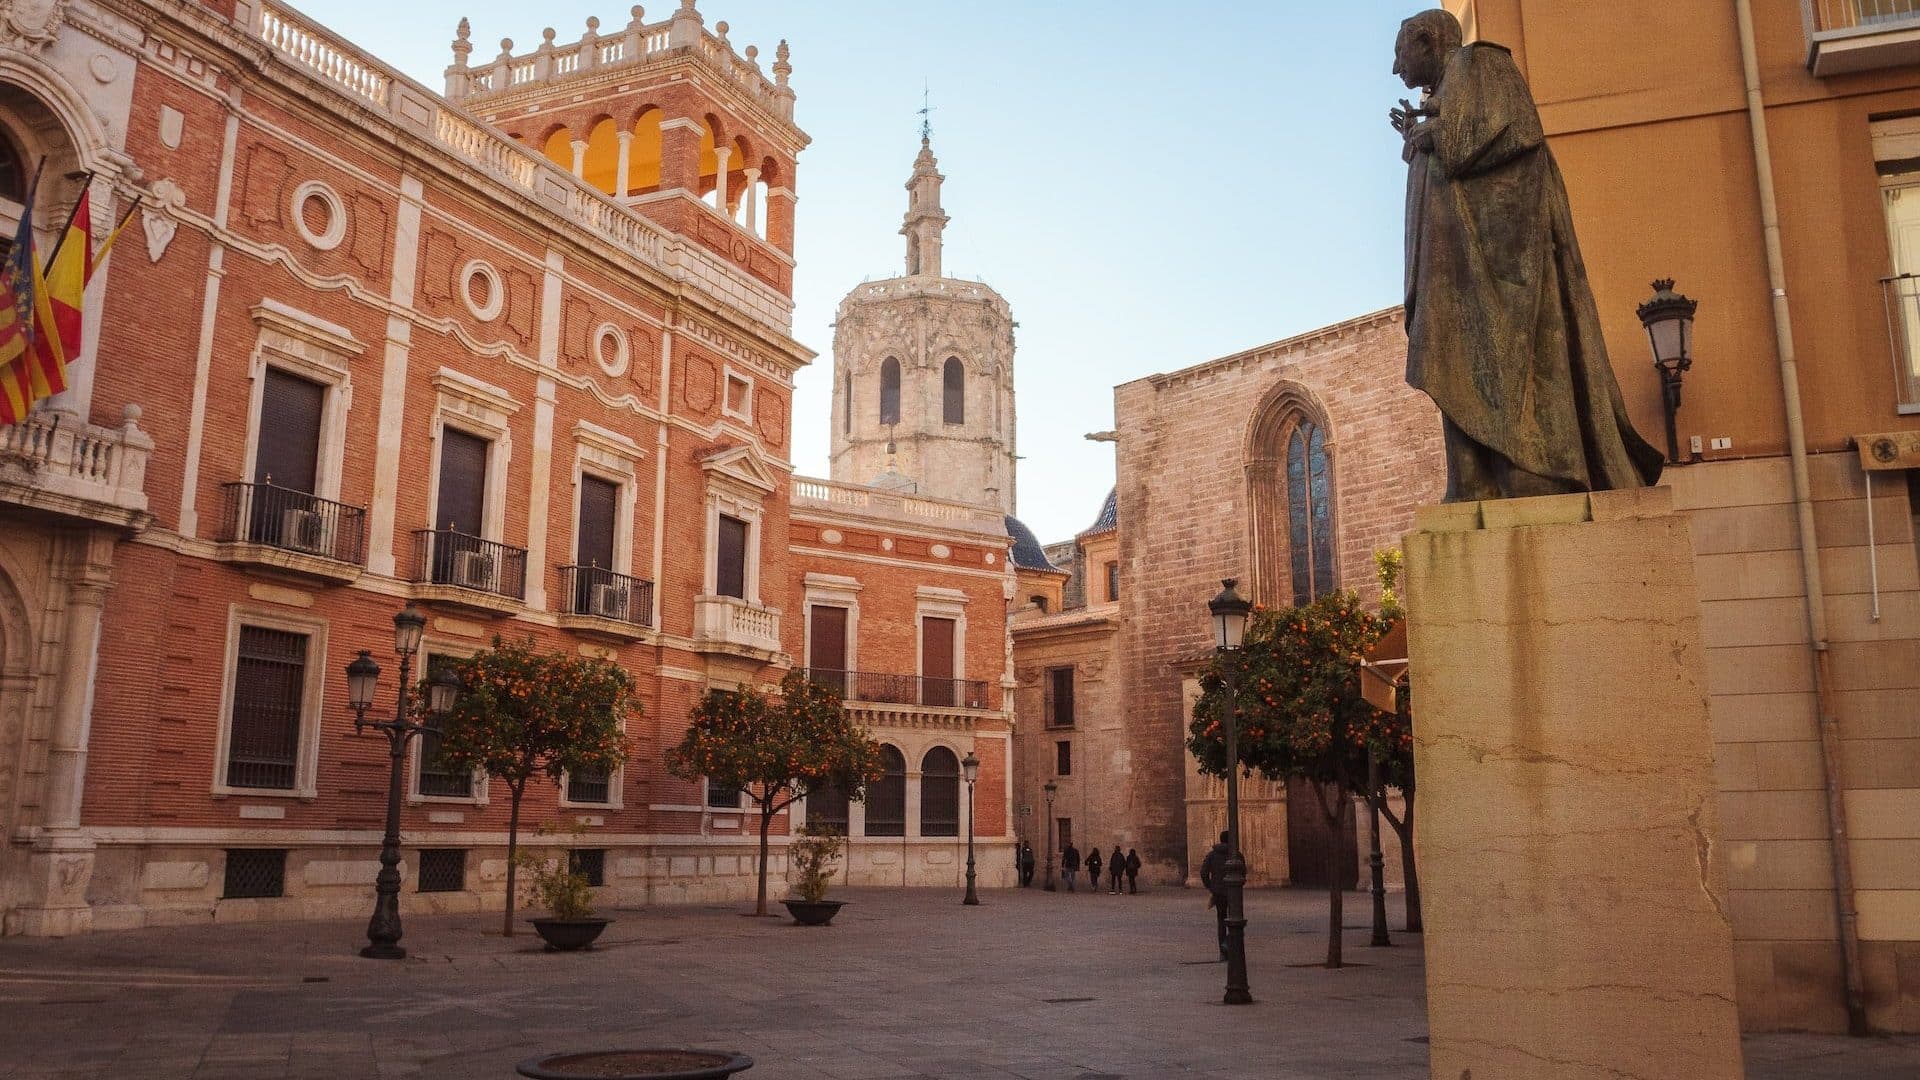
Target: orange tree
{"points": [[776, 750], [1301, 717], [523, 713]]}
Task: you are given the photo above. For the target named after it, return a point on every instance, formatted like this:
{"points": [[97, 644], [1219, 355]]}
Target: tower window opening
{"points": [[953, 397], [890, 391]]}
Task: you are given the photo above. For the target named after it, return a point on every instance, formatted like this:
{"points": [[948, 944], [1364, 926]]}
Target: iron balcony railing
{"points": [[295, 521], [1850, 14], [871, 686], [451, 557], [589, 590], [1901, 295]]}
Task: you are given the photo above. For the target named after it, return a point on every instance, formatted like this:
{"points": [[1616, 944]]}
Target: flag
{"points": [[16, 318], [58, 291]]}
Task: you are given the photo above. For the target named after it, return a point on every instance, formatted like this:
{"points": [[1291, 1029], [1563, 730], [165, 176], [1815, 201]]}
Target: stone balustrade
{"points": [[878, 502], [56, 463], [733, 624], [336, 62]]}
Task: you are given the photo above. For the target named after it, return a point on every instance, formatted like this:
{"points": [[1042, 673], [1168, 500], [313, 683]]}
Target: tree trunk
{"points": [[766, 823], [1336, 870], [513, 862], [1410, 871]]}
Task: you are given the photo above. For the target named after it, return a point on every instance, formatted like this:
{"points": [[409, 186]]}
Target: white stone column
{"points": [[61, 863], [580, 158], [721, 156], [622, 173], [752, 199]]}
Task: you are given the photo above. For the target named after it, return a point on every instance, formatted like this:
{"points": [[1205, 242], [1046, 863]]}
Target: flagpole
{"points": [[68, 227], [113, 237]]}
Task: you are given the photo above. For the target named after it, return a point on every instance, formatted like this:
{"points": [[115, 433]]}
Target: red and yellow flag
{"points": [[16, 317], [59, 289]]}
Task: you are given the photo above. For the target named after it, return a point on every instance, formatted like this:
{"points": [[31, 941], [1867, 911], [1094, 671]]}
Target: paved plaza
{"points": [[904, 984]]}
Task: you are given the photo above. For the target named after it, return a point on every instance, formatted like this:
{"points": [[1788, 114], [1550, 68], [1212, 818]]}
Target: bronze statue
{"points": [[1502, 331]]}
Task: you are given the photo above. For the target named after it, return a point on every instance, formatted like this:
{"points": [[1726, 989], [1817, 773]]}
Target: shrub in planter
{"points": [[813, 856], [568, 898]]}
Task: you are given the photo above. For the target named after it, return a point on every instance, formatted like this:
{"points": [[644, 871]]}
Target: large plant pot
{"points": [[813, 912], [651, 1064], [566, 935]]}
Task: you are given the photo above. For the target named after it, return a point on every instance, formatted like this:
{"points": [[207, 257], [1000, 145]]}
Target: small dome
{"points": [[1109, 518], [1027, 552]]}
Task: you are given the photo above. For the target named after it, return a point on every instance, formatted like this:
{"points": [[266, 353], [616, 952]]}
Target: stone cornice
{"points": [[1284, 347]]}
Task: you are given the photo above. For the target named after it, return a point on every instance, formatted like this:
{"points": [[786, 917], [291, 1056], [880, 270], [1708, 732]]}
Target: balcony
{"points": [[876, 688], [55, 464], [1901, 296], [292, 531], [731, 625], [466, 571], [1846, 36], [596, 601]]}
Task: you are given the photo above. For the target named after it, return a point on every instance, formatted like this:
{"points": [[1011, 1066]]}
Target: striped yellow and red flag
{"points": [[16, 318], [59, 289]]}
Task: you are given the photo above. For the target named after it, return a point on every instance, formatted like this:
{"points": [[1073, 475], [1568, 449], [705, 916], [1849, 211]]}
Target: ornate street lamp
{"points": [[1668, 318], [1050, 788], [1229, 611], [1376, 861], [383, 930], [970, 768]]}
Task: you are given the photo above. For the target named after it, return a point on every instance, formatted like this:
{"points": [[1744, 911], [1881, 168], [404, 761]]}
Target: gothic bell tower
{"points": [[923, 371]]}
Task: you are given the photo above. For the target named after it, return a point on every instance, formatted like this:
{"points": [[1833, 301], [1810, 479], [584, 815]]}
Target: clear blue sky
{"points": [[1149, 185]]}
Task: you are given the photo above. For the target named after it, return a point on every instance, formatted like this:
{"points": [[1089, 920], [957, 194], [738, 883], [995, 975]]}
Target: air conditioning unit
{"points": [[304, 530], [473, 569], [610, 601]]}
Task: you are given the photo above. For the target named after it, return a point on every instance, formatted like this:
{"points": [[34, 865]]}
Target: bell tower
{"points": [[923, 371]]}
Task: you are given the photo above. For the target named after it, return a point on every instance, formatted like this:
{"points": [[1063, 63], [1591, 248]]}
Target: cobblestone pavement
{"points": [[904, 984]]}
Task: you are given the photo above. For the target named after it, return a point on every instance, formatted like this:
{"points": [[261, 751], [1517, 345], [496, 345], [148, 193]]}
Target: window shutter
{"points": [[731, 576], [289, 449], [463, 482]]}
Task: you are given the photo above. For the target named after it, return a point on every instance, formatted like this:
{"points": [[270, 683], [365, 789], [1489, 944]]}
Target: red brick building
{"points": [[520, 354]]}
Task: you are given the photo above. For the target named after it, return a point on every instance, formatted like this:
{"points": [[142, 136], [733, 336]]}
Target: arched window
{"points": [[1291, 495], [1309, 512], [953, 392], [827, 806], [887, 796], [940, 793], [890, 391]]}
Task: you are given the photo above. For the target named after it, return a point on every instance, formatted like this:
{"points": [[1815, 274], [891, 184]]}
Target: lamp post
{"points": [[1374, 859], [1668, 319], [1229, 611], [383, 930], [970, 768], [1051, 787]]}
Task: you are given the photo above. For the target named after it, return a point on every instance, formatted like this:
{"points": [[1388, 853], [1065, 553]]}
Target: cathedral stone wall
{"points": [[1187, 522]]}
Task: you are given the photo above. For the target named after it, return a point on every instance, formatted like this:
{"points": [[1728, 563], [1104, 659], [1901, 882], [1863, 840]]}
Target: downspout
{"points": [[1809, 541]]}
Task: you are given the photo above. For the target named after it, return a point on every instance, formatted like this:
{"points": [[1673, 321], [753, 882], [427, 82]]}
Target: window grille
{"points": [[589, 786], [887, 796], [722, 798], [940, 793], [443, 870], [437, 777], [590, 863], [269, 684], [827, 808], [255, 873]]}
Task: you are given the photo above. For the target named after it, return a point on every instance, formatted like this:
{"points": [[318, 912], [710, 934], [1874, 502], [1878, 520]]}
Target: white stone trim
{"points": [[336, 230], [496, 301], [729, 375], [312, 695], [481, 409], [937, 603], [831, 590], [622, 350], [311, 348], [610, 456]]}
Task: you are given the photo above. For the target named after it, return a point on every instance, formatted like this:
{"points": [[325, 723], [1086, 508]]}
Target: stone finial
{"points": [[720, 30], [593, 23], [639, 17], [686, 5], [462, 47], [546, 37], [506, 50], [782, 70], [753, 55]]}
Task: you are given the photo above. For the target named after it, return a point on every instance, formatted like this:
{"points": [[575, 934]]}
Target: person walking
{"points": [[1212, 868], [1026, 864], [1093, 868], [1133, 872], [1116, 865], [1070, 864]]}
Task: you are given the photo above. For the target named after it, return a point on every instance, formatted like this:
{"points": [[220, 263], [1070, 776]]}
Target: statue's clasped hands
{"points": [[1408, 119]]}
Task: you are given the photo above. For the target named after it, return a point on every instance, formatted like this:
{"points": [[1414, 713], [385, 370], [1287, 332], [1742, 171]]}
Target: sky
{"points": [[1150, 186]]}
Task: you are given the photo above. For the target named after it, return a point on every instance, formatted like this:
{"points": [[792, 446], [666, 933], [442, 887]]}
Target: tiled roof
{"points": [[1109, 518], [1027, 553]]}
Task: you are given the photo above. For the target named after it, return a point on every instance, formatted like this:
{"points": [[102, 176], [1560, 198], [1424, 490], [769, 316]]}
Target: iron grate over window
{"points": [[590, 786], [590, 863], [269, 684], [443, 869], [255, 873]]}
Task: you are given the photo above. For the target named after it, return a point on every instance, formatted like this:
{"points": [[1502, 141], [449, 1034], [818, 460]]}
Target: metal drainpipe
{"points": [[1809, 541]]}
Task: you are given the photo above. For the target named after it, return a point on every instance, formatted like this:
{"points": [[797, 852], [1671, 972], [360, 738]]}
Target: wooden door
{"points": [[827, 647], [936, 662]]}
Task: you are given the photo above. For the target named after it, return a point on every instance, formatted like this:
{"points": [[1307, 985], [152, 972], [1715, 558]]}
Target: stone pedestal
{"points": [[1575, 897]]}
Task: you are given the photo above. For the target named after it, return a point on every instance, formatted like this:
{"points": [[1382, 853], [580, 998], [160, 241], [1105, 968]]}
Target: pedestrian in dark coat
{"points": [[1093, 869], [1116, 865], [1026, 864], [1133, 871], [1070, 864], [1212, 868]]}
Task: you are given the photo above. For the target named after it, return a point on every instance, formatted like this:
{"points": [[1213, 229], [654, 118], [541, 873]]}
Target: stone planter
{"points": [[813, 912], [566, 935], [650, 1064]]}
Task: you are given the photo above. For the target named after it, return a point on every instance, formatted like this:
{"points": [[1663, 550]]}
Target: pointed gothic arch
{"points": [[1291, 498]]}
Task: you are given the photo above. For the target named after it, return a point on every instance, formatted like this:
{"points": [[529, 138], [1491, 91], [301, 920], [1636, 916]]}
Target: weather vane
{"points": [[926, 113]]}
